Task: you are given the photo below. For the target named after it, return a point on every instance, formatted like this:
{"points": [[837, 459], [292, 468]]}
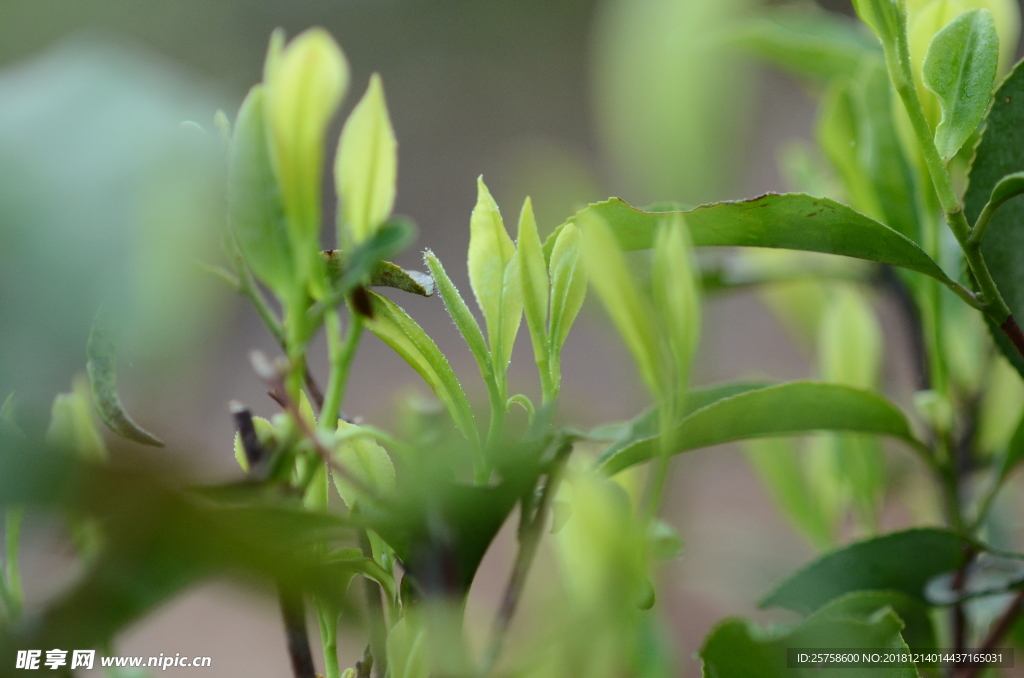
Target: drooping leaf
{"points": [[960, 68], [534, 279], [629, 309], [994, 158], [366, 264], [568, 284], [781, 410], [902, 561], [808, 42], [102, 370], [366, 167], [461, 315], [738, 649], [394, 326], [793, 221], [255, 211]]}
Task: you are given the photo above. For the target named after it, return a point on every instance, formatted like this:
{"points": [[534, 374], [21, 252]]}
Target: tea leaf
{"points": [[304, 82], [461, 315], [738, 649], [902, 561], [780, 410], [365, 460], [395, 328], [793, 221], [534, 280], [886, 18], [1003, 245], [960, 68], [71, 423], [568, 284], [629, 310], [366, 166], [675, 296], [808, 42], [102, 370], [490, 254], [255, 210]]}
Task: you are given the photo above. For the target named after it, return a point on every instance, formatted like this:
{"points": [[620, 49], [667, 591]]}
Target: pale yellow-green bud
{"points": [[304, 83]]}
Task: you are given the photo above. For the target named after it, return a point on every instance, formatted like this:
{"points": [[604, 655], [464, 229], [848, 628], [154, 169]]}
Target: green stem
{"points": [[13, 596], [341, 356], [897, 58], [248, 287], [375, 610], [329, 638]]}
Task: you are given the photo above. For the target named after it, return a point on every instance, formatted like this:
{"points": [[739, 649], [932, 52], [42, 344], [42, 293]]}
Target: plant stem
{"points": [[375, 611], [530, 533], [995, 635], [341, 355], [293, 611], [329, 638], [12, 570]]}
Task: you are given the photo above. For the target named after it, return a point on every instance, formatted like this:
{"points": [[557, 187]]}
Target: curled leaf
{"points": [[103, 379]]}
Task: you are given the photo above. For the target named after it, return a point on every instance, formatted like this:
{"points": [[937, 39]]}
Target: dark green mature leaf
{"points": [[794, 221], [997, 155], [903, 561], [737, 649], [103, 379], [810, 43], [780, 410], [156, 541], [960, 68], [365, 265]]}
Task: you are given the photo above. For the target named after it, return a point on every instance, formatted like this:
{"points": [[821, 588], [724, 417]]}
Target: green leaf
{"points": [[534, 280], [886, 18], [367, 461], [676, 299], [157, 541], [103, 379], [794, 221], [408, 655], [365, 265], [568, 284], [366, 166], [304, 83], [781, 410], [71, 423], [461, 315], [629, 310], [395, 328], [490, 256], [855, 129], [808, 42], [777, 463], [903, 561], [994, 159], [738, 649], [663, 541], [255, 210], [960, 68]]}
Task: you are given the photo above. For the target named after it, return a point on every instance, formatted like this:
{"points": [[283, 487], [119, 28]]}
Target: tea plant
{"points": [[387, 524]]}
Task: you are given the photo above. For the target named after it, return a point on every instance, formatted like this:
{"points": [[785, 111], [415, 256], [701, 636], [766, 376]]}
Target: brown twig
{"points": [[530, 533], [1013, 332], [293, 610], [995, 635]]}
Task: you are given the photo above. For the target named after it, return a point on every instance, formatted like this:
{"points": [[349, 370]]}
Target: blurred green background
{"points": [[103, 195]]}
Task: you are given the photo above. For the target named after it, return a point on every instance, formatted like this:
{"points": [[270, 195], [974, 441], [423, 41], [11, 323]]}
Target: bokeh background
{"points": [[568, 101]]}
